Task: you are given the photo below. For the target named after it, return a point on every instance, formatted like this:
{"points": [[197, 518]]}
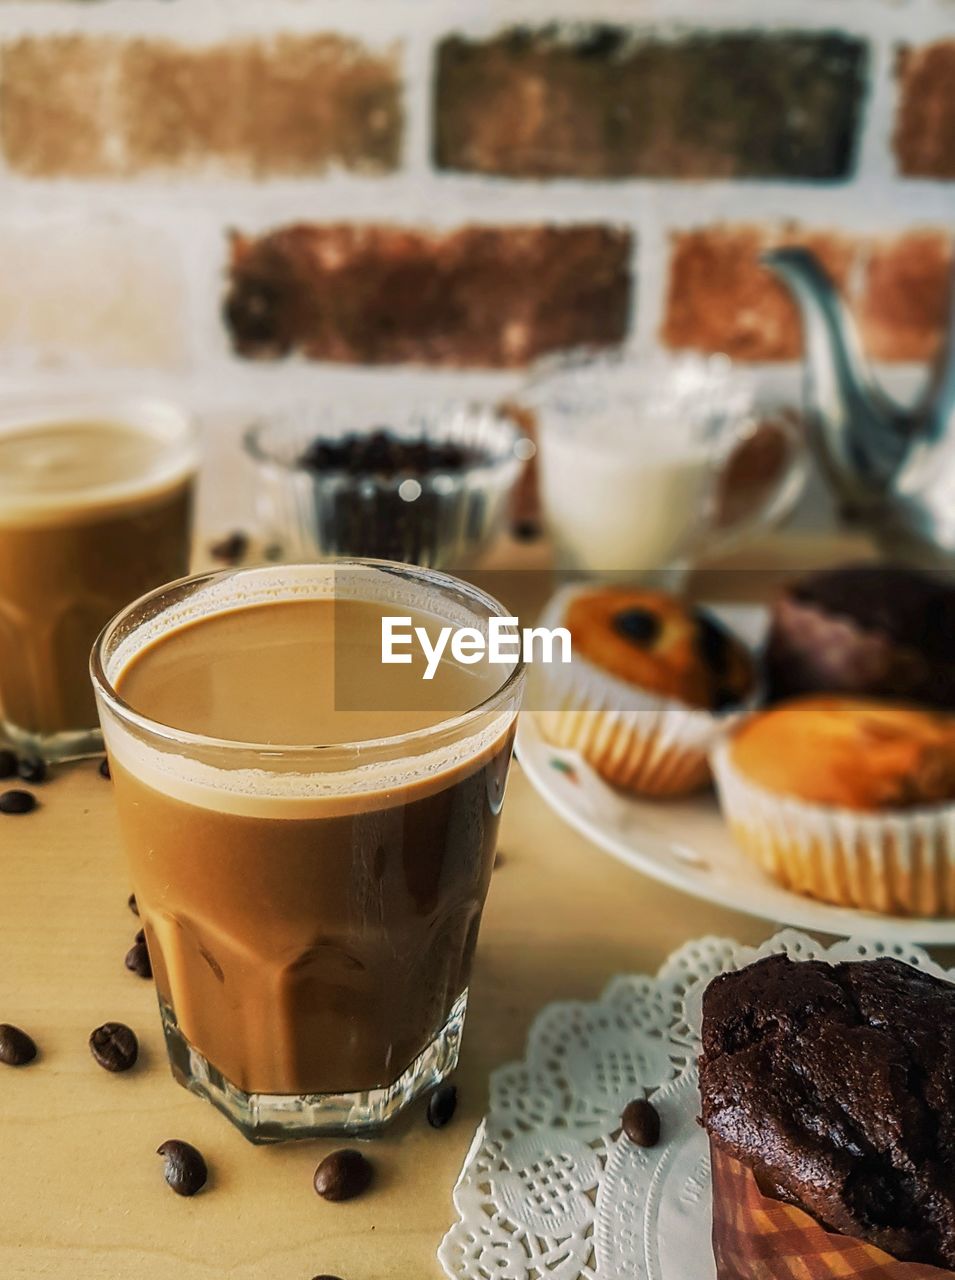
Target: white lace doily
{"points": [[550, 1189]]}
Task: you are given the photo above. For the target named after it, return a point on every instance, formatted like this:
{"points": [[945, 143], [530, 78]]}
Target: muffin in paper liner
{"points": [[900, 863], [644, 742], [757, 1238]]}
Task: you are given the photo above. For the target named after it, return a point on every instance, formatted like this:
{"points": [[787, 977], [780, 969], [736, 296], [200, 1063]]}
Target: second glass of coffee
{"points": [[310, 831], [95, 509]]}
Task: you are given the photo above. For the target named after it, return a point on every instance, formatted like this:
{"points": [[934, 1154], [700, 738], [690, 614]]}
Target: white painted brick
{"points": [[76, 292]]}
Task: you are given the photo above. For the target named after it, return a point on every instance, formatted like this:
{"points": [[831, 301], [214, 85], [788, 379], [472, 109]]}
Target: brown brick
{"points": [[606, 103], [721, 299], [55, 104], [925, 126], [904, 307], [477, 296], [104, 106]]}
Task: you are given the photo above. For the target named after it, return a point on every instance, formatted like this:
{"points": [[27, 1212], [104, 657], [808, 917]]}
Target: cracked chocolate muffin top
{"points": [[835, 1084]]}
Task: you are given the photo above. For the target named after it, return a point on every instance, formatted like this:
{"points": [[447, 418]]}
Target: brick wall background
{"points": [[245, 202]]}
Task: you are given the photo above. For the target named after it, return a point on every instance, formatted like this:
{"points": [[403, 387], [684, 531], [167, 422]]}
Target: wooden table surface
{"points": [[81, 1188]]}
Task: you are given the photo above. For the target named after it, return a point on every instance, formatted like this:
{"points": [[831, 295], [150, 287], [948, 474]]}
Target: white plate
{"points": [[686, 844], [552, 1188]]}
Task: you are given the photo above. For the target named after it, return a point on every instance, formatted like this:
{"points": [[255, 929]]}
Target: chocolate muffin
{"points": [[835, 1085], [882, 630]]}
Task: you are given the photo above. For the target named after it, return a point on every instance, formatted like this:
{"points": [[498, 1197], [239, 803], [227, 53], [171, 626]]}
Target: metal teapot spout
{"points": [[861, 437]]}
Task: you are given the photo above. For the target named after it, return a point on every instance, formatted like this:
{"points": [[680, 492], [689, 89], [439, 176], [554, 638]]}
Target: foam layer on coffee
{"points": [[55, 467], [292, 656]]}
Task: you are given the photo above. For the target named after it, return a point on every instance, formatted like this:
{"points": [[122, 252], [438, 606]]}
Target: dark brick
{"points": [[925, 126], [605, 102], [103, 106], [477, 296]]}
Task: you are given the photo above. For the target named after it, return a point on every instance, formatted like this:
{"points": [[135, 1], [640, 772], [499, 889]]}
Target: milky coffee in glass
{"points": [[95, 505], [310, 833]]}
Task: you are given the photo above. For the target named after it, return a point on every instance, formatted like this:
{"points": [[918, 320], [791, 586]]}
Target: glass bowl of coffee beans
{"points": [[430, 486]]}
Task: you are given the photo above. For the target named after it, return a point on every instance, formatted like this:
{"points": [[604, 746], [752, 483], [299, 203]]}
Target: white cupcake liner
{"points": [[899, 863], [636, 739]]}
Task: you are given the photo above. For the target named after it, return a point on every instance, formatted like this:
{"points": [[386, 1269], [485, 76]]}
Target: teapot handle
{"points": [[781, 497]]}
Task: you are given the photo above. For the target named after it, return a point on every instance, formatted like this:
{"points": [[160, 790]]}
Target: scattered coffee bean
{"points": [[8, 764], [32, 769], [133, 904], [141, 937], [104, 768], [442, 1105], [114, 1046], [325, 1277], [137, 960], [343, 1175], [16, 1047], [185, 1170], [17, 802], [231, 548], [641, 1122]]}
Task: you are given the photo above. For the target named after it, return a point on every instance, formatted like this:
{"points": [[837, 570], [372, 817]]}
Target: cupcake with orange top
{"points": [[653, 683], [849, 800]]}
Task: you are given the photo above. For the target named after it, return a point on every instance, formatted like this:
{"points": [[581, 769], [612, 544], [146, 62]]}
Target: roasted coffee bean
{"points": [[442, 1105], [133, 904], [137, 960], [641, 626], [641, 1122], [32, 769], [104, 768], [114, 1046], [17, 802], [8, 764], [323, 1276], [141, 937], [383, 453], [185, 1169], [343, 1175], [16, 1047], [231, 548]]}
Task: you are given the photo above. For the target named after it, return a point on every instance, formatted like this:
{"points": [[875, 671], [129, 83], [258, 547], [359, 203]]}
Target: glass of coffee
{"points": [[310, 831], [95, 508]]}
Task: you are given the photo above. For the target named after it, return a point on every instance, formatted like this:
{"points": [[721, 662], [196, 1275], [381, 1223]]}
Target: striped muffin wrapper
{"points": [[757, 1238], [895, 863], [635, 739]]}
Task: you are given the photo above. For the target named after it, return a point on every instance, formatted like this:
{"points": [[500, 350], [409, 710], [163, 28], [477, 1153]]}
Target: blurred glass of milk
{"points": [[630, 456]]}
